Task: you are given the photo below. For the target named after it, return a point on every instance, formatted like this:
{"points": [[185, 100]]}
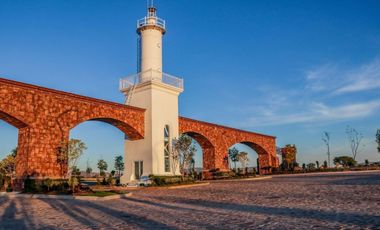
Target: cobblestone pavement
{"points": [[322, 201]]}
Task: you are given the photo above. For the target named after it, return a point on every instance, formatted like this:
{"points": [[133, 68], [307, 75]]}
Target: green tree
{"points": [[325, 164], [14, 152], [311, 166], [289, 153], [366, 162], [7, 169], [182, 153], [243, 159], [102, 166], [317, 163], [8, 165], [75, 179], [88, 168], [70, 153], [88, 171], [378, 140], [119, 165], [233, 155], [346, 161], [111, 180], [304, 166]]}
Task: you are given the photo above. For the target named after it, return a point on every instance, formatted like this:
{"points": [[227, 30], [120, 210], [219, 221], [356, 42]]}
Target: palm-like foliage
{"points": [[233, 155]]}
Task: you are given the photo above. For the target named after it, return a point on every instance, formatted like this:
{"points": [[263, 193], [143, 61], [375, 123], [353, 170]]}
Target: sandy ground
{"points": [[328, 201]]}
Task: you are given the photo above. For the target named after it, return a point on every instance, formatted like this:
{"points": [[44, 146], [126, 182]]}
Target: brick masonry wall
{"points": [[215, 141], [45, 117]]}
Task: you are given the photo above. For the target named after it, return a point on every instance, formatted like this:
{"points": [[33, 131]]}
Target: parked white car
{"points": [[145, 181]]}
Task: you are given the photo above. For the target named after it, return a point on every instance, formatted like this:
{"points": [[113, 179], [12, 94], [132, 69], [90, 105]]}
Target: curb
{"points": [[244, 179], [63, 197], [188, 185], [327, 173], [94, 198]]}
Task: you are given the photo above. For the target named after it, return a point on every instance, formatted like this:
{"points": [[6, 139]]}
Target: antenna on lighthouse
{"points": [[151, 9], [149, 4]]}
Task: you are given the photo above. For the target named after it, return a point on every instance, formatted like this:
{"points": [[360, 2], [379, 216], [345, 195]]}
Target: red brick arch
{"points": [[12, 120], [221, 138], [44, 118]]}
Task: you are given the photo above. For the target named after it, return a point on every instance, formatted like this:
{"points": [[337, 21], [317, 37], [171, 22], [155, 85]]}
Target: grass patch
{"points": [[51, 193]]}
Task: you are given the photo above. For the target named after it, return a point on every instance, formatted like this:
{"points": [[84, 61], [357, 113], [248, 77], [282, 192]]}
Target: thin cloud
{"points": [[337, 80], [321, 78], [365, 78], [318, 112], [325, 97]]}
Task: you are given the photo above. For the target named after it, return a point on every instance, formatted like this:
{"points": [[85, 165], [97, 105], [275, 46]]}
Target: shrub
{"points": [[9, 189], [74, 182], [254, 172], [5, 182], [223, 175], [165, 180], [214, 170], [29, 185], [1, 181], [47, 185], [111, 180]]}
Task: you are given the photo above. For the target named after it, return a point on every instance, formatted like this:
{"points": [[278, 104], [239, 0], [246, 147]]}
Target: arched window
{"points": [[167, 148]]}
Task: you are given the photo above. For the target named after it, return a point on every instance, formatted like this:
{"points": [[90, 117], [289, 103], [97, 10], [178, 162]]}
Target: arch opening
{"points": [[105, 141], [252, 162], [130, 132], [8, 153], [197, 164], [205, 151]]}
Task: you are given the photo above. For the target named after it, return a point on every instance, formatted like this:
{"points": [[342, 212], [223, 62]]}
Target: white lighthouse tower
{"points": [[158, 93]]}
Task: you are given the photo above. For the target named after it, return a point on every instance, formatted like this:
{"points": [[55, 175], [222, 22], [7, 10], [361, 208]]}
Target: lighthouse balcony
{"points": [[129, 82], [151, 21]]}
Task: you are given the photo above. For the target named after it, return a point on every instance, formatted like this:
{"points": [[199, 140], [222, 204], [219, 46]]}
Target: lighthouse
{"points": [[157, 92]]}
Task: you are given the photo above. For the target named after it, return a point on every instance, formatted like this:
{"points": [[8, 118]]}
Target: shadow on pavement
{"points": [[174, 207], [373, 179], [8, 220], [73, 210]]}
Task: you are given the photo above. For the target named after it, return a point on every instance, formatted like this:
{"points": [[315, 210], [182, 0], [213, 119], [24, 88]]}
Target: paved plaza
{"points": [[318, 201]]}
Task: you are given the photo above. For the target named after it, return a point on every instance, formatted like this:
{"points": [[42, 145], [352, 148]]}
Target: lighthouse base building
{"points": [[151, 155], [158, 93]]}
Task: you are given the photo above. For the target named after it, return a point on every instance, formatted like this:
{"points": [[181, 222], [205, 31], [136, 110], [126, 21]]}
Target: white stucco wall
{"points": [[151, 51], [161, 104]]}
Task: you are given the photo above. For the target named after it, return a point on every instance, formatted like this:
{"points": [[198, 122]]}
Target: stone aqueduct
{"points": [[44, 118], [215, 141]]}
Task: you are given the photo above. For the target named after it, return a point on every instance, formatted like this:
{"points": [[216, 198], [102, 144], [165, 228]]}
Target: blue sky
{"points": [[292, 69]]}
